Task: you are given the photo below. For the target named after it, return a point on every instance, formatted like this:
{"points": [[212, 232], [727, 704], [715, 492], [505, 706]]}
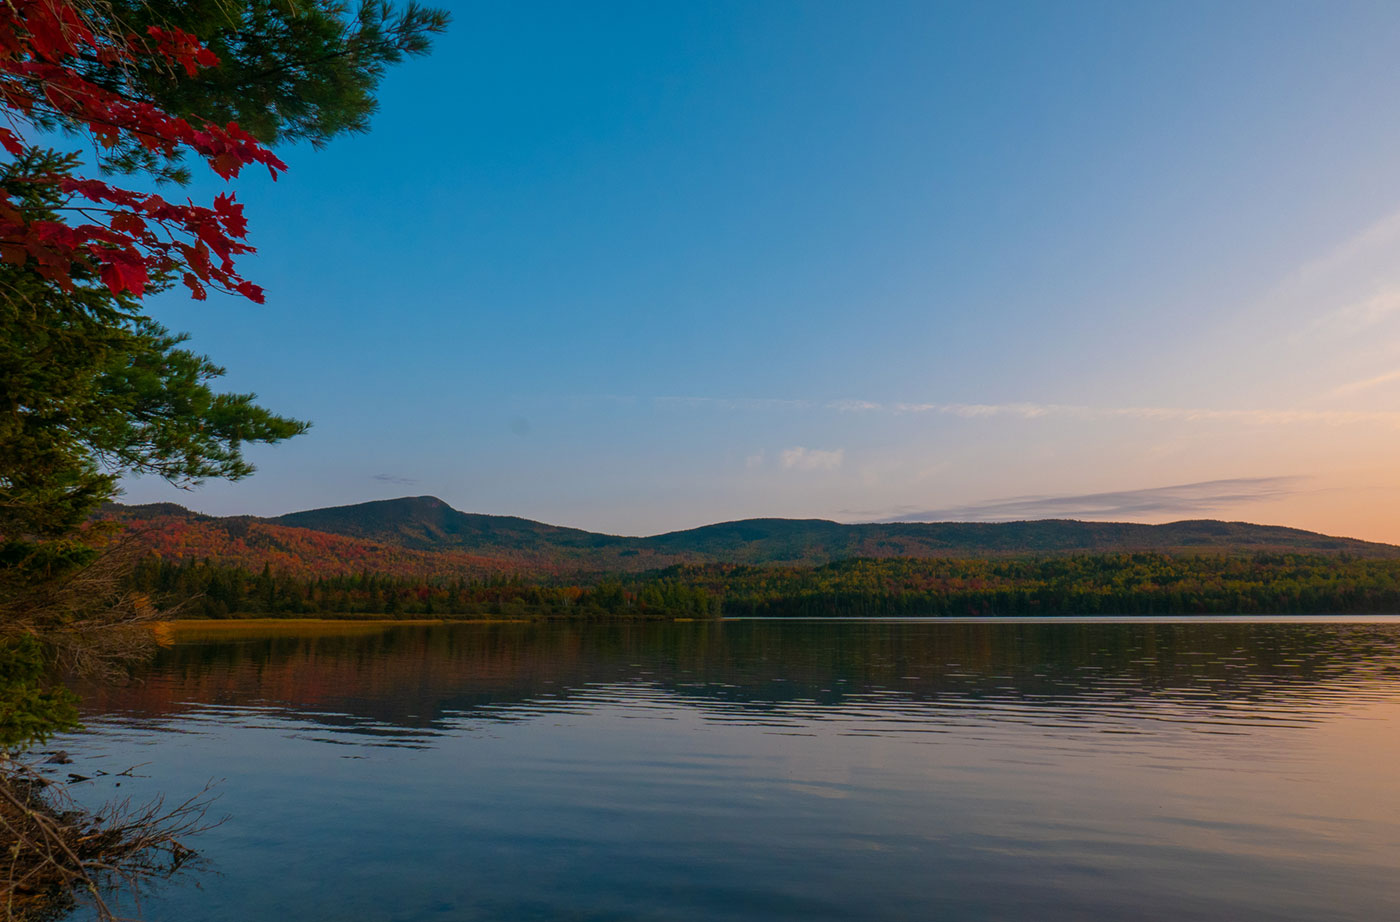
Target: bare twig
{"points": [[56, 853]]}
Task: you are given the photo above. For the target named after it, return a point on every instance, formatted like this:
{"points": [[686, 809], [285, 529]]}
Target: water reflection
{"points": [[419, 679], [753, 771]]}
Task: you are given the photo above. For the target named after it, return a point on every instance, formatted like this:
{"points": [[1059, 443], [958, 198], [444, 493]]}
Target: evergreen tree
{"points": [[91, 387]]}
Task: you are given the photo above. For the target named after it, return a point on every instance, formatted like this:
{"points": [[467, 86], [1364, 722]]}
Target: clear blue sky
{"points": [[635, 267]]}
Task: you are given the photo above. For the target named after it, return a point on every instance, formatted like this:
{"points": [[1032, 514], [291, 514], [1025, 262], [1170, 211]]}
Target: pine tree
{"points": [[91, 387]]}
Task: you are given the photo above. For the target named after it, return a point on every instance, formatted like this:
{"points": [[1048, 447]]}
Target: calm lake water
{"points": [[765, 770]]}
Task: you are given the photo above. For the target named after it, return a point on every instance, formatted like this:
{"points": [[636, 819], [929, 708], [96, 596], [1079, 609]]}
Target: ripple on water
{"points": [[749, 771]]}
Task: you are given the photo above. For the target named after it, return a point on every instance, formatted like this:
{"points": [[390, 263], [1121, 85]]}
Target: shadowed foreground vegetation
{"points": [[1099, 584], [56, 851]]}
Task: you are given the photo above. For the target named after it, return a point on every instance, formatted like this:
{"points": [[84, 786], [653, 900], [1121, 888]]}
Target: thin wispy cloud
{"points": [[1166, 414], [734, 403], [1370, 241], [853, 406], [1029, 410], [812, 459], [1364, 314], [1365, 384], [1180, 500], [393, 478], [1358, 318]]}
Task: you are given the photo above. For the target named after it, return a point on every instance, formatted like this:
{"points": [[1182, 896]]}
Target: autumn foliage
{"points": [[126, 238], [299, 552]]}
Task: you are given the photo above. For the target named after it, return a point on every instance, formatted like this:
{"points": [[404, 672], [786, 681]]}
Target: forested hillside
{"points": [[424, 537], [421, 557], [176, 534]]}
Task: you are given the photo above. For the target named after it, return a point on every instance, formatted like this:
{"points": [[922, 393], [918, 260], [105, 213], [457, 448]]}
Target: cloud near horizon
{"points": [[1186, 500], [812, 459], [1025, 410]]}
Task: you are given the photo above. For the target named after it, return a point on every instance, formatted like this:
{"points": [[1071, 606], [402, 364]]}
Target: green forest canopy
{"points": [[1097, 584]]}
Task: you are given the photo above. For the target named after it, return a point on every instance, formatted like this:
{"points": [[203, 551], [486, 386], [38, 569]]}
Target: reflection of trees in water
{"points": [[413, 676]]}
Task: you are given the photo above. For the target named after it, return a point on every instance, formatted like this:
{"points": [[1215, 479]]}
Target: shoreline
{"points": [[236, 625], [233, 622], [175, 630]]}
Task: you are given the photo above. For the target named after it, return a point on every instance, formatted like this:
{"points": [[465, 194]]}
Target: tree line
{"points": [[1095, 584], [202, 589]]}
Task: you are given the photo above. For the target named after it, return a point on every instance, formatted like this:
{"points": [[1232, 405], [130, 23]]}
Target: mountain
{"points": [[423, 535], [244, 541], [428, 523]]}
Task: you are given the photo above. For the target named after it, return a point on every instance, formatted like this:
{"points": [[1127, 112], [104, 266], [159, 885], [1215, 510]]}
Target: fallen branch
{"points": [[54, 854]]}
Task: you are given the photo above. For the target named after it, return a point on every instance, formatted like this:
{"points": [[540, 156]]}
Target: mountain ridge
{"points": [[426, 536]]}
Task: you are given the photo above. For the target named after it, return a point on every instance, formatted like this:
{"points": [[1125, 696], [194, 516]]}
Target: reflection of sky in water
{"points": [[762, 771]]}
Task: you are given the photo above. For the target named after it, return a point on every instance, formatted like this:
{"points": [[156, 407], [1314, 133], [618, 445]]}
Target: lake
{"points": [[771, 770]]}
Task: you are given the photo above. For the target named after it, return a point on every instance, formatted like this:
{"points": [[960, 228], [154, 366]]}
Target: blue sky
{"points": [[636, 267]]}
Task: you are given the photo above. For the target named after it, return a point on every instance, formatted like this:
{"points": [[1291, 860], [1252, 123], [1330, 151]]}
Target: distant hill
{"points": [[244, 541], [428, 523], [425, 536], [819, 541]]}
